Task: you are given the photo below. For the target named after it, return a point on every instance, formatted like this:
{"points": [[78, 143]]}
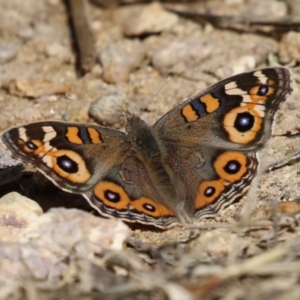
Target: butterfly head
{"points": [[132, 122]]}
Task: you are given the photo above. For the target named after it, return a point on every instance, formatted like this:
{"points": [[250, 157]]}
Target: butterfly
{"points": [[194, 161]]}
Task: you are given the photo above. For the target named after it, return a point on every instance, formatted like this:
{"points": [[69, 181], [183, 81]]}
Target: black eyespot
{"points": [[210, 191], [31, 145], [232, 167], [263, 90], [112, 196], [244, 122], [67, 164], [149, 207]]}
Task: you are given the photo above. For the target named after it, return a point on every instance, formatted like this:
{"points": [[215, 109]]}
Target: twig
{"points": [[284, 22], [85, 39]]}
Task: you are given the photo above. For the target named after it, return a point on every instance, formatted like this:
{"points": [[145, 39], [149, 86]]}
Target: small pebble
{"points": [[26, 33], [148, 19], [119, 59], [8, 52], [16, 213], [56, 50], [289, 47], [109, 110], [178, 54], [245, 63]]}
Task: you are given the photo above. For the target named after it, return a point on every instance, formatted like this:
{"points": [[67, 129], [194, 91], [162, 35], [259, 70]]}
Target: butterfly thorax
{"points": [[144, 142]]}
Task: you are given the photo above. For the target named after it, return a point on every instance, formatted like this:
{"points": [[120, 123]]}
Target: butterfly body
{"points": [[197, 159]]}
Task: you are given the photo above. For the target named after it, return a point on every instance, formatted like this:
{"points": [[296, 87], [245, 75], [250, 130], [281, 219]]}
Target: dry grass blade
{"points": [[290, 159]]}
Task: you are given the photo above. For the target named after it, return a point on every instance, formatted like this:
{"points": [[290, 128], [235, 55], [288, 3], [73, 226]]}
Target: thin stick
{"points": [[84, 36]]}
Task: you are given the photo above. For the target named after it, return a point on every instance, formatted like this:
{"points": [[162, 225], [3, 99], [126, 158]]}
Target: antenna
{"points": [[160, 88], [163, 84]]}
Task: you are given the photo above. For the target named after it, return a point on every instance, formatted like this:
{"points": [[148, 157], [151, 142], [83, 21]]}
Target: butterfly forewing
{"points": [[235, 113], [66, 152]]}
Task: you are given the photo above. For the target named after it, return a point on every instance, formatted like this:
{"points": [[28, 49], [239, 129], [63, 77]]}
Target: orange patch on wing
{"points": [[223, 159], [40, 150], [259, 98], [236, 136], [94, 135], [255, 98], [37, 143], [210, 102], [72, 135], [156, 210], [189, 113], [202, 199], [49, 158], [81, 176], [122, 200]]}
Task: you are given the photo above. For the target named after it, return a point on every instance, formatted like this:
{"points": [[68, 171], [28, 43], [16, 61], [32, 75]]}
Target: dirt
{"points": [[247, 251]]}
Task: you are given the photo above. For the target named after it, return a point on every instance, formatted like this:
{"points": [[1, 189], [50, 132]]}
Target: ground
{"points": [[249, 251]]}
